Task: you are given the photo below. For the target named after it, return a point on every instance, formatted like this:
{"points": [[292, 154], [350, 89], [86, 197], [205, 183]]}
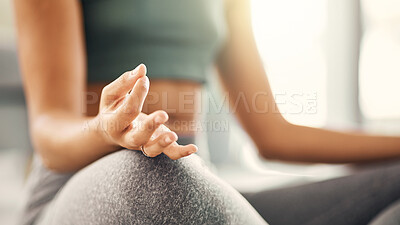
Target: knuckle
{"points": [[162, 144], [106, 94], [130, 109], [150, 126]]}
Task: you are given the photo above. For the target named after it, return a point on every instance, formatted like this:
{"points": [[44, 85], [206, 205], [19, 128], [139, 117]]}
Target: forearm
{"points": [[68, 143], [307, 144], [242, 74]]}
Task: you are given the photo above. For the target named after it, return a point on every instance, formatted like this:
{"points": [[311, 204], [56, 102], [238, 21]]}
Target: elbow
{"points": [[50, 160], [282, 153], [44, 151], [272, 151], [44, 146], [50, 164], [276, 144], [282, 144], [267, 154]]}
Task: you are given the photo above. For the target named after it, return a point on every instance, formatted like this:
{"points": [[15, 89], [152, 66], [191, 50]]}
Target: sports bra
{"points": [[176, 39]]}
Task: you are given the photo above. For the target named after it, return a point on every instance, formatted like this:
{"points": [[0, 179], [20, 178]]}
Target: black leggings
{"points": [[351, 200]]}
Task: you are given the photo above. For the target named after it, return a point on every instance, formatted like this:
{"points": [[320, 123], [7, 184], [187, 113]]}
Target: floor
{"points": [[12, 171]]}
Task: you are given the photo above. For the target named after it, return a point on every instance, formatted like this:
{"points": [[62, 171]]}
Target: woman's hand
{"points": [[123, 124]]}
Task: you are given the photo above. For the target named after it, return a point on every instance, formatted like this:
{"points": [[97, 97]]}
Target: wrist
{"points": [[97, 127]]}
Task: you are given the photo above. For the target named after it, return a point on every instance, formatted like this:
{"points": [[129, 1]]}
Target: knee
{"points": [[134, 167], [388, 216], [131, 172], [128, 187]]}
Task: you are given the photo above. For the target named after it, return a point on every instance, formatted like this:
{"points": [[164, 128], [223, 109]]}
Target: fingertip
{"points": [[161, 117], [142, 68], [175, 136], [139, 72], [192, 149], [146, 82], [168, 140], [143, 82], [165, 114]]}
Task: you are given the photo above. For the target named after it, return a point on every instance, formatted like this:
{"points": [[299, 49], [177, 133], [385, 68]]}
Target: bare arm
{"points": [[52, 59], [243, 76]]}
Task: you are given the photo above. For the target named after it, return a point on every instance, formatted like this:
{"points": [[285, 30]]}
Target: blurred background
{"points": [[331, 63]]}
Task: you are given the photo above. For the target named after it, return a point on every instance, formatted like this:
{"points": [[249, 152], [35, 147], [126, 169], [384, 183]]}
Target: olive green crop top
{"points": [[176, 39]]}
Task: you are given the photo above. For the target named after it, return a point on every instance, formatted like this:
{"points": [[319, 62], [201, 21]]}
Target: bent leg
{"points": [[354, 199], [389, 216], [128, 188]]}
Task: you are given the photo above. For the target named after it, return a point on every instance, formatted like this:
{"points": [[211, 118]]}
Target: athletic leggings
{"points": [[126, 187], [351, 200]]}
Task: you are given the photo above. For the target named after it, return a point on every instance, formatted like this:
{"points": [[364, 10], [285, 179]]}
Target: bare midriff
{"points": [[180, 99]]}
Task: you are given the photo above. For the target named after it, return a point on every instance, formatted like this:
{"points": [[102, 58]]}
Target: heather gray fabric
{"points": [[41, 187], [126, 187], [43, 184], [350, 200]]}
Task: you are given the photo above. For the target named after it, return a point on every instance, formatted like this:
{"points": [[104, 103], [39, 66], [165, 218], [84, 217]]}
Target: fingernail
{"points": [[146, 83], [168, 140], [144, 67]]}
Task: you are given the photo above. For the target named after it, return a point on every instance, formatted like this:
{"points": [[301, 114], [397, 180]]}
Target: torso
{"points": [[177, 98], [177, 40]]}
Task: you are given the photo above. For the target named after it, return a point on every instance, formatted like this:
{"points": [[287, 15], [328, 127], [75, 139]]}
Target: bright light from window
{"points": [[380, 60], [380, 76], [289, 35]]}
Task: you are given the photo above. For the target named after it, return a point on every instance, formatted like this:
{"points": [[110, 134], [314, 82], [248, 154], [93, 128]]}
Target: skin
{"points": [[273, 135], [52, 61], [52, 56]]}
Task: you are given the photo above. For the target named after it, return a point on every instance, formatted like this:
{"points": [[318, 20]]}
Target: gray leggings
{"points": [[127, 188], [352, 200]]}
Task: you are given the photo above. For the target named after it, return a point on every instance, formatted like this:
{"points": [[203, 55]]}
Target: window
{"points": [[380, 60], [290, 38]]}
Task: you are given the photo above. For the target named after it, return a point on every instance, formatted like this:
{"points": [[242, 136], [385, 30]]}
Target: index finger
{"points": [[124, 83], [133, 103]]}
